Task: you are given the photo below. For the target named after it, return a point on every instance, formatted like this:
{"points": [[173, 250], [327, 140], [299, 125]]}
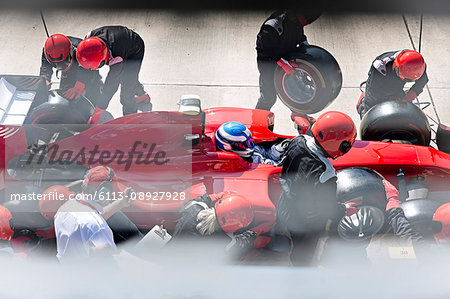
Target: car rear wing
{"points": [[18, 96]]}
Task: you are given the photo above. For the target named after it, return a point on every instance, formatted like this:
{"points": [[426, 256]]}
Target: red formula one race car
{"points": [[164, 155]]}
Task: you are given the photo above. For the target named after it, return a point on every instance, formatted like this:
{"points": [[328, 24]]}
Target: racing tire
{"points": [[364, 187], [315, 84], [59, 110], [443, 138], [396, 120], [419, 213]]}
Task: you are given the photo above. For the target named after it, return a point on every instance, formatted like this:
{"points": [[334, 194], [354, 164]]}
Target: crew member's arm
{"points": [[396, 216], [46, 69], [417, 88], [118, 205]]}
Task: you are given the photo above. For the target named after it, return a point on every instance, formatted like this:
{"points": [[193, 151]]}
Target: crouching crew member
{"points": [[122, 50], [308, 207], [81, 226], [220, 215], [388, 75]]}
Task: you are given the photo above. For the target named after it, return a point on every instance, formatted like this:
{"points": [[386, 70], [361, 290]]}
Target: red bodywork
{"points": [[200, 164]]}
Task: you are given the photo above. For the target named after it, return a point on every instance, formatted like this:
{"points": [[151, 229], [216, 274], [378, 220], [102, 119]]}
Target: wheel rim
{"points": [[299, 87], [362, 225]]}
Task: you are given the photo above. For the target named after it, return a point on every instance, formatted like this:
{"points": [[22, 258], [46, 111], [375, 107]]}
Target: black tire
{"points": [[366, 187], [419, 213], [361, 184], [321, 77], [396, 120], [443, 138], [59, 110]]}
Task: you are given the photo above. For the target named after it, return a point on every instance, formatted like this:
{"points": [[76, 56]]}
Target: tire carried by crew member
{"points": [[396, 120], [315, 82]]}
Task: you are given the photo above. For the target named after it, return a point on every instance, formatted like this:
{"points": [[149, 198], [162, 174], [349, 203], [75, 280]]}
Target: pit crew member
{"points": [[237, 138], [308, 207], [80, 225], [281, 33], [6, 233], [218, 215], [122, 50], [60, 53], [388, 75]]}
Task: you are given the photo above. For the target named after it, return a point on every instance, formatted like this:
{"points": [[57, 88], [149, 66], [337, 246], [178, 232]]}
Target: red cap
{"points": [[99, 174], [59, 51], [6, 232], [442, 215], [409, 65], [92, 53], [335, 132], [234, 212]]}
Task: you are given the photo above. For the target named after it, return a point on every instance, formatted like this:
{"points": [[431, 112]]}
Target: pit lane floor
{"points": [[212, 53]]}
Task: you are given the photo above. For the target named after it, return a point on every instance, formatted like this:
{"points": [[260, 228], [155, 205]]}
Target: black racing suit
{"points": [[129, 46], [279, 35], [185, 230], [384, 85], [91, 79], [308, 206], [269, 155]]}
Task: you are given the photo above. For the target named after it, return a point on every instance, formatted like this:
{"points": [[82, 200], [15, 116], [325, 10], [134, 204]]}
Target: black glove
{"points": [[246, 239]]}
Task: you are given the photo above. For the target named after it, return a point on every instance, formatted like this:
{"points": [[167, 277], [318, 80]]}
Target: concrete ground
{"points": [[212, 53]]}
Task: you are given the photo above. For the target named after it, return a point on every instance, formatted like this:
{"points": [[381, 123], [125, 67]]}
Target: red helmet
{"points": [[92, 53], [409, 65], [442, 215], [6, 231], [59, 51], [52, 198], [334, 132], [233, 212]]}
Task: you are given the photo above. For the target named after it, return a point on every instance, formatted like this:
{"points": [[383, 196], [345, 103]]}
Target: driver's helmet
{"points": [[335, 133], [409, 65], [58, 51], [235, 137]]}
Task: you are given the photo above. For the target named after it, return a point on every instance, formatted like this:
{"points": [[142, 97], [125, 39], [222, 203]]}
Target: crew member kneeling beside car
{"points": [[81, 225], [388, 75], [224, 216]]}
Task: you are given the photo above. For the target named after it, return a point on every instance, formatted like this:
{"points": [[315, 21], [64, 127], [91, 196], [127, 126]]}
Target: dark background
{"points": [[336, 6]]}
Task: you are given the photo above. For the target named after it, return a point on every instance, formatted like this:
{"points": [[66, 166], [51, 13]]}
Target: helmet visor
{"points": [[65, 64], [242, 146], [345, 146]]}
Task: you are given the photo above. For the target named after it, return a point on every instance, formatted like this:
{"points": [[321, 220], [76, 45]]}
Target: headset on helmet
{"points": [[335, 133], [52, 198], [442, 215], [233, 212], [92, 53], [58, 51], [409, 65], [235, 137], [6, 225]]}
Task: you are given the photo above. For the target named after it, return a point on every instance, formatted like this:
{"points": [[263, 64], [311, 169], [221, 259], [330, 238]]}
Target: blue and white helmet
{"points": [[235, 137]]}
